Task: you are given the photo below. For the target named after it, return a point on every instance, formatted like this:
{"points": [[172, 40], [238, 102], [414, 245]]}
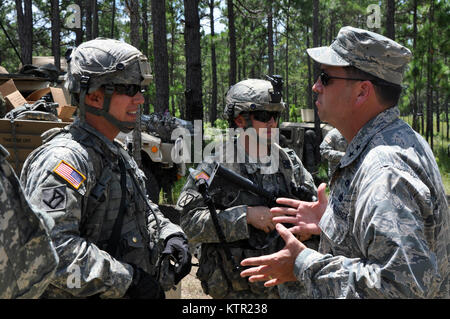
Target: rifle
{"points": [[244, 183], [205, 185]]}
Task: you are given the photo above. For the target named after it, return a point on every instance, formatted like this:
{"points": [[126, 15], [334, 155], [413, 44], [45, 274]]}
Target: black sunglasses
{"points": [[265, 116], [325, 78], [128, 89]]}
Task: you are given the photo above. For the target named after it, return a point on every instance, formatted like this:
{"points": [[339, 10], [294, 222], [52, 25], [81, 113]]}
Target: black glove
{"points": [[144, 286], [178, 248]]}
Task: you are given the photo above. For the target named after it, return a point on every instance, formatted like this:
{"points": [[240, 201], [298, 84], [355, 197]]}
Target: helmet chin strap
{"points": [[123, 126]]}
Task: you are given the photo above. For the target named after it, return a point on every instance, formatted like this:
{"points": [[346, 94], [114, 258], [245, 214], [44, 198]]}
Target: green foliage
{"points": [[292, 27]]}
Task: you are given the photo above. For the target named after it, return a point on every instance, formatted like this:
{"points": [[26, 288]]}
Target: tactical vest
{"points": [[215, 272], [102, 196]]}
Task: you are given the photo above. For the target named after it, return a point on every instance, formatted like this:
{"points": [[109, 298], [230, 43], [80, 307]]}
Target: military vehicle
{"points": [[300, 137], [157, 148]]}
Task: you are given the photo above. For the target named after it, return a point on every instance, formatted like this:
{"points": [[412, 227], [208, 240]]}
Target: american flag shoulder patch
{"points": [[69, 173], [202, 175]]}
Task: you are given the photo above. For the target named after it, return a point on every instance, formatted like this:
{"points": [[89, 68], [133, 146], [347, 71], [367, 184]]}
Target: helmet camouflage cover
{"points": [[251, 95], [107, 61]]}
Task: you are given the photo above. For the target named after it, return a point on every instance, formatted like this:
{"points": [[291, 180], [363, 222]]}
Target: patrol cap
{"points": [[251, 95], [367, 51]]}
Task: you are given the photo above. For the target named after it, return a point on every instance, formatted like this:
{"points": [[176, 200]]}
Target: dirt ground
{"points": [[190, 287]]}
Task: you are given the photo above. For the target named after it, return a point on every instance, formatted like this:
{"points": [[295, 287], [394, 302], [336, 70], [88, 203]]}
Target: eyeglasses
{"points": [[265, 116], [325, 78], [128, 89]]}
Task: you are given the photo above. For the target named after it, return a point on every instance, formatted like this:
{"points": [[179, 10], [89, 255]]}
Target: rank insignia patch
{"points": [[69, 174]]}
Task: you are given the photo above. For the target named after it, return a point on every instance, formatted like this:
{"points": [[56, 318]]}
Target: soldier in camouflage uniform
{"points": [[28, 258], [333, 149], [385, 229], [244, 218], [111, 240]]}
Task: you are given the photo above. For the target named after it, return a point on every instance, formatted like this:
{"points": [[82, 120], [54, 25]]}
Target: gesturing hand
{"points": [[276, 268], [305, 216]]}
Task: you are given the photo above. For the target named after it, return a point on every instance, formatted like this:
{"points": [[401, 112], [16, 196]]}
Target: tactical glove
{"points": [[177, 248], [144, 286]]}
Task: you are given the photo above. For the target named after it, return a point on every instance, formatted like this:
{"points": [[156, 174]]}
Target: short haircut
{"points": [[388, 93]]}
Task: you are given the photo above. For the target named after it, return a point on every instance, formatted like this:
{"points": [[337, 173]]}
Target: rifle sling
{"points": [[113, 242]]}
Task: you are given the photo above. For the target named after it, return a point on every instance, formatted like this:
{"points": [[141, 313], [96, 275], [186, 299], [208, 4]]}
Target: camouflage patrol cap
{"points": [[367, 51], [107, 61], [251, 95]]}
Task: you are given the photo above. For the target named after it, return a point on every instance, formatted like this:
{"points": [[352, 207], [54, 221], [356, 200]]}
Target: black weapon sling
{"points": [[113, 242]]}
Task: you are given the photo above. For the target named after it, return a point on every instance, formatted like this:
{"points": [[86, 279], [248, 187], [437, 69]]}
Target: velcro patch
{"points": [[54, 198], [185, 199], [69, 174]]}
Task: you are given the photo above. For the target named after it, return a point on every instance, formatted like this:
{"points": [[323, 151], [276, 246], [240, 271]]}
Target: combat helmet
{"points": [[105, 63], [254, 95]]}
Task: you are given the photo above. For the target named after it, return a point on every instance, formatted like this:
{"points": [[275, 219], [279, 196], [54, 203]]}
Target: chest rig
{"points": [[114, 212]]}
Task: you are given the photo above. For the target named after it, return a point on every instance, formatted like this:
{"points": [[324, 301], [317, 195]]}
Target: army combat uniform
{"points": [[333, 149], [215, 273], [28, 258], [385, 232], [75, 177]]}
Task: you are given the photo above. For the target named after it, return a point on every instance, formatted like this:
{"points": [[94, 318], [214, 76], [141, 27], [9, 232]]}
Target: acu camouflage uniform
{"points": [[333, 149], [28, 258], [385, 232], [85, 215], [215, 272]]}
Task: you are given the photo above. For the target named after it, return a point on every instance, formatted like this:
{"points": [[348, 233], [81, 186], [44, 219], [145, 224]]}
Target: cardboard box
{"points": [[65, 111], [26, 137], [11, 95]]}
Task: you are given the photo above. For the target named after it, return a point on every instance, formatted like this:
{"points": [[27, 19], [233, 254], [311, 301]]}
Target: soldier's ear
{"points": [[240, 121], [95, 98]]}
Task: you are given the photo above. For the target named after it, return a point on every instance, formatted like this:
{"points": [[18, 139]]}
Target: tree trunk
{"points": [[133, 8], [270, 39], [56, 30], [94, 19], [430, 55], [390, 19], [309, 103], [113, 17], [286, 84], [25, 26], [173, 27], [161, 71], [317, 129], [213, 106], [232, 43], [144, 48], [193, 93], [415, 123], [88, 20], [446, 117]]}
